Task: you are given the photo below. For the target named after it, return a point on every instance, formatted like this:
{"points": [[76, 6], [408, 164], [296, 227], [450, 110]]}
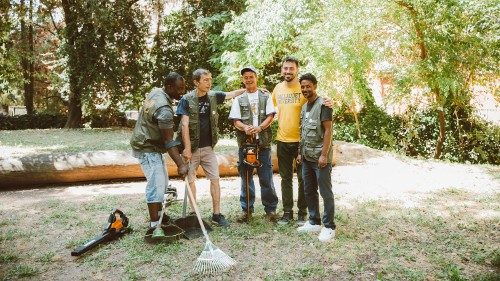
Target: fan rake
{"points": [[212, 260]]}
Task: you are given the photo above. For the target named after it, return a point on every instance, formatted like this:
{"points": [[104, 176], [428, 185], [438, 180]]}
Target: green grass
{"points": [[65, 140], [22, 271], [75, 140], [377, 239]]}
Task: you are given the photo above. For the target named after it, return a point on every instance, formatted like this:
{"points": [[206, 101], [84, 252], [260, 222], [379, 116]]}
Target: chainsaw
{"points": [[251, 152], [116, 226]]}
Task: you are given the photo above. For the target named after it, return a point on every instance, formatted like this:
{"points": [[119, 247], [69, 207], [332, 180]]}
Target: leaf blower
{"points": [[116, 226]]}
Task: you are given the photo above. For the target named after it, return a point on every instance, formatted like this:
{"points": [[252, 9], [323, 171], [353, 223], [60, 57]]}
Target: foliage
{"points": [[105, 44], [468, 139], [226, 127], [36, 121], [106, 118], [191, 37], [10, 76], [92, 56]]}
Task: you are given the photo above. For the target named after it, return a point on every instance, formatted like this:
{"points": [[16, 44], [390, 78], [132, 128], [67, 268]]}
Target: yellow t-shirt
{"points": [[288, 101]]}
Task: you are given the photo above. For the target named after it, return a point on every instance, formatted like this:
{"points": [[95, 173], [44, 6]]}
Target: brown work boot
{"points": [[244, 217], [272, 216]]}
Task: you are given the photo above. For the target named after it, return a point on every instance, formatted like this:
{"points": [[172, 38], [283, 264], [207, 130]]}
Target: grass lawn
{"points": [[75, 140], [448, 237]]}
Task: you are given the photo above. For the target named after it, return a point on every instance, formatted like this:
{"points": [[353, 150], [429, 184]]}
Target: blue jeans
{"points": [[313, 177], [153, 166], [265, 173]]}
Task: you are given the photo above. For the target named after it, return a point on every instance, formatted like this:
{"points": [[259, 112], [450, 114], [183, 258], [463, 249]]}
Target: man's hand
{"points": [[328, 102], [248, 130], [299, 159], [182, 170], [255, 129], [322, 161], [187, 154]]}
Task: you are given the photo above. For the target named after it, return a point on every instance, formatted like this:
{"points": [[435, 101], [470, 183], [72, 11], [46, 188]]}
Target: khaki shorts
{"points": [[205, 157]]}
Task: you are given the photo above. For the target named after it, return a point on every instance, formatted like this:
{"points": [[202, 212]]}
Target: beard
{"points": [[288, 77]]}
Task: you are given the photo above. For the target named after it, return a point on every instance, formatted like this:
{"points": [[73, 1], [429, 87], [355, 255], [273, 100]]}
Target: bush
{"points": [[468, 139], [226, 127], [107, 118], [35, 121]]}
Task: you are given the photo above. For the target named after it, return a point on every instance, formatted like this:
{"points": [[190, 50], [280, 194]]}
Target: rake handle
{"points": [[163, 208], [195, 206], [184, 205]]}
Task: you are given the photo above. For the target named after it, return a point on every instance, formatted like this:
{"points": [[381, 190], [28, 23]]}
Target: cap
{"points": [[248, 68]]}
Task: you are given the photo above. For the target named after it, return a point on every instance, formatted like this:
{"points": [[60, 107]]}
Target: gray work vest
{"points": [[146, 136], [194, 119], [247, 117], [312, 133]]}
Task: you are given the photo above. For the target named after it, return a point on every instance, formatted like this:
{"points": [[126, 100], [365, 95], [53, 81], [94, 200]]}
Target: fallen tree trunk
{"points": [[64, 168], [44, 169]]}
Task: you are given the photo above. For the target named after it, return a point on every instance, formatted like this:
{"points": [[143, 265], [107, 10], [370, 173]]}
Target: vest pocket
{"points": [[313, 152]]}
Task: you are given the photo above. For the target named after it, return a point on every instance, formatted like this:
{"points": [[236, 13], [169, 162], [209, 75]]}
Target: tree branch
{"points": [[418, 27]]}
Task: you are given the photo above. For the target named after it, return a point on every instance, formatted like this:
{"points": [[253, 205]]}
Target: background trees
{"points": [[402, 72]]}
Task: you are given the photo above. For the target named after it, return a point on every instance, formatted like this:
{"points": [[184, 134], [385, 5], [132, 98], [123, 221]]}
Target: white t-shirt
{"points": [[253, 98]]}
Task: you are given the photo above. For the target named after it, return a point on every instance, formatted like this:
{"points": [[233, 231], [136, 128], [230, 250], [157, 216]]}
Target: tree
{"points": [[191, 37], [456, 44], [27, 57], [104, 45], [10, 78], [436, 47]]}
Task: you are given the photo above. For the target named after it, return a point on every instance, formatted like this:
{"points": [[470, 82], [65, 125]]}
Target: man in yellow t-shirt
{"points": [[288, 100]]}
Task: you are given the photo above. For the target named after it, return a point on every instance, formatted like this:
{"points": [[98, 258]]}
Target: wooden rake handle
{"points": [[196, 210]]}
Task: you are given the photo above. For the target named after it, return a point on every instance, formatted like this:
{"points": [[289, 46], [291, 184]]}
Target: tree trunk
{"points": [[75, 97], [423, 56], [358, 127], [27, 63], [442, 134]]}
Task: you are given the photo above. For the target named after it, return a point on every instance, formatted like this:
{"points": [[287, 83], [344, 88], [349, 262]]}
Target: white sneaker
{"points": [[308, 227], [326, 234]]}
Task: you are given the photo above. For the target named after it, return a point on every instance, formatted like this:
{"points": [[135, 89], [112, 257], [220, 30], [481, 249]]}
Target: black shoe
{"points": [[220, 220], [301, 219], [244, 217], [286, 218]]}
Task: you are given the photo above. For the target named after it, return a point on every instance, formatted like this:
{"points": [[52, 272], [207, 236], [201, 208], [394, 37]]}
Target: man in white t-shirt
{"points": [[252, 114]]}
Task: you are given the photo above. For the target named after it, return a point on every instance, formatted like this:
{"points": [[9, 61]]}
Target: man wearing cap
{"points": [[252, 114], [199, 133]]}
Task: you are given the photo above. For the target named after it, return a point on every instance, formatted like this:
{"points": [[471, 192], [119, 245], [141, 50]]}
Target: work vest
{"points": [[147, 136], [312, 133], [247, 117], [194, 119]]}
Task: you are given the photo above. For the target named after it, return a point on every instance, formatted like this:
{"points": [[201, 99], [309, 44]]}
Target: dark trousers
{"points": [[315, 177], [265, 173], [287, 153]]}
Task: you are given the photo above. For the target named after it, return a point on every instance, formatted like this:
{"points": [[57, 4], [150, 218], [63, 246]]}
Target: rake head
{"points": [[212, 260]]}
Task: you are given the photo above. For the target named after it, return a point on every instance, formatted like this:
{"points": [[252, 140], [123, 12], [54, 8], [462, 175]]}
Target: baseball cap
{"points": [[248, 68]]}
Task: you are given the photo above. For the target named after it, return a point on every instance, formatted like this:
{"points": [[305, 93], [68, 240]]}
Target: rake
{"points": [[212, 260]]}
